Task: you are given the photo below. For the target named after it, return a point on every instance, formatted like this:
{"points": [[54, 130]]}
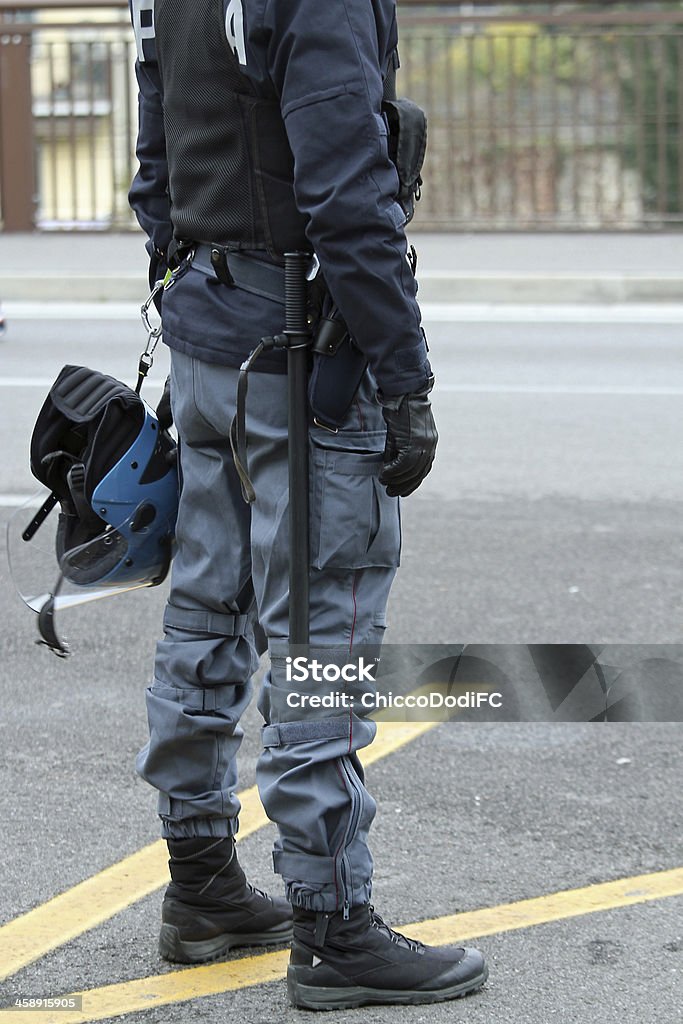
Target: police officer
{"points": [[261, 131]]}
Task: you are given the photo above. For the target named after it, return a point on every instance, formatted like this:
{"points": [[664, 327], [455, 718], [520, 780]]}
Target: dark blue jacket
{"points": [[325, 60]]}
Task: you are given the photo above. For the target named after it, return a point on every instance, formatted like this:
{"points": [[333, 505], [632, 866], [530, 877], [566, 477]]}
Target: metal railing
{"points": [[69, 86], [541, 116], [570, 118]]}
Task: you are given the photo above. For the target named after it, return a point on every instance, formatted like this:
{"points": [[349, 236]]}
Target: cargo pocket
{"points": [[354, 522]]}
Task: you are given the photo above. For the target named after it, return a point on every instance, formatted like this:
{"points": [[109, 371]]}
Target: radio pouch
{"points": [[407, 147]]}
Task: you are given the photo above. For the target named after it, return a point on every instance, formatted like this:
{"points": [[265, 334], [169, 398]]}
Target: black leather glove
{"points": [[164, 414], [411, 441]]}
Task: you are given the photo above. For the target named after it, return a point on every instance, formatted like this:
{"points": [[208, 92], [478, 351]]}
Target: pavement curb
{"points": [[446, 286], [532, 288]]}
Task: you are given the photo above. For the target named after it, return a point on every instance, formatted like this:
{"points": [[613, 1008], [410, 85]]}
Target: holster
{"points": [[407, 146], [338, 368]]}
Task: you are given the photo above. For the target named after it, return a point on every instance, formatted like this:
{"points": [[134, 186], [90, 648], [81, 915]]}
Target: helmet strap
{"points": [[47, 626]]}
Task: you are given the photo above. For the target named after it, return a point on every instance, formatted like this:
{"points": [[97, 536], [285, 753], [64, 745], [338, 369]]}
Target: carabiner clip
{"points": [[153, 332], [146, 360]]}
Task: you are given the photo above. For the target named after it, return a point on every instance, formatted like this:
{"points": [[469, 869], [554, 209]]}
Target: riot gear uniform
{"points": [[262, 130]]}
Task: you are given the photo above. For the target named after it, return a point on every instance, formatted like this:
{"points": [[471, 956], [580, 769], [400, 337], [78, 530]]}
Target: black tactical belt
{"points": [[234, 268]]}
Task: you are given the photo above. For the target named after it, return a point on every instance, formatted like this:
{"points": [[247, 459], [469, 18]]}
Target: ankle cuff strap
{"points": [[197, 620], [301, 732]]}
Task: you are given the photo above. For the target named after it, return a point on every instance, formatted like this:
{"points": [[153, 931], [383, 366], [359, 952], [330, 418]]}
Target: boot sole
{"points": [[309, 997], [182, 951]]}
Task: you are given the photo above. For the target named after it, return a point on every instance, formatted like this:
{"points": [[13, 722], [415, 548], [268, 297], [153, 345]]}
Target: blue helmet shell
{"points": [[138, 499]]}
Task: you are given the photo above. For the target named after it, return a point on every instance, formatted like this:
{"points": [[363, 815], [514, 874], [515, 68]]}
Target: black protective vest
{"points": [[230, 167]]}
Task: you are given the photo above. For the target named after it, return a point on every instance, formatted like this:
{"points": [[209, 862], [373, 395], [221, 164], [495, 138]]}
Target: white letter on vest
{"points": [[146, 31], [234, 30]]}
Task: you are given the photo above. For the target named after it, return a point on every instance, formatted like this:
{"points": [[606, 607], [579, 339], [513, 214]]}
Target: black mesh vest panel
{"points": [[229, 163]]}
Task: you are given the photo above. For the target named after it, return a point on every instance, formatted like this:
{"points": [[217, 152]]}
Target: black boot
{"points": [[209, 907], [338, 964]]}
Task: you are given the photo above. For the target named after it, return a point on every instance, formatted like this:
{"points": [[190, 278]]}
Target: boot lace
{"points": [[393, 936], [258, 892]]}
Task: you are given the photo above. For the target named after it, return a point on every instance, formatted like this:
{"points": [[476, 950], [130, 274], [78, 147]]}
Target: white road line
{"points": [[47, 382], [18, 500], [70, 311], [462, 389], [555, 313], [434, 312], [556, 389]]}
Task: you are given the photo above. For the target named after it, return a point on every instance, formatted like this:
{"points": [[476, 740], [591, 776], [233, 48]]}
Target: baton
{"points": [[297, 331]]}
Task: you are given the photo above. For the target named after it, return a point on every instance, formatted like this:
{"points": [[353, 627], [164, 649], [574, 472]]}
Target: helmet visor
{"points": [[88, 572], [95, 560]]}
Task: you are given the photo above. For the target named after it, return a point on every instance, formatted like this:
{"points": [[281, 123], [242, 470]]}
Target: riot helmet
{"points": [[99, 450]]}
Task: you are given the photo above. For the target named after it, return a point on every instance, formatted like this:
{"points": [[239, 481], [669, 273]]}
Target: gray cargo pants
{"points": [[229, 583]]}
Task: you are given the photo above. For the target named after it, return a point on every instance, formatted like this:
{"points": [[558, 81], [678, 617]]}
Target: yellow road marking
{"points": [[161, 989], [391, 736], [557, 906], [195, 982], [98, 898]]}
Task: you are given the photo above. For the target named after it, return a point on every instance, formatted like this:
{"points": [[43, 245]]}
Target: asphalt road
{"points": [[552, 515]]}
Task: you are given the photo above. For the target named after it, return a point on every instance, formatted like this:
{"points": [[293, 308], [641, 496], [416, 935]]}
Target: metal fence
{"points": [[541, 116], [562, 119], [67, 119]]}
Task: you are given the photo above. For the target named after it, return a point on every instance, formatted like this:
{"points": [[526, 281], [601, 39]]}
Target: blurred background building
{"points": [[545, 116]]}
